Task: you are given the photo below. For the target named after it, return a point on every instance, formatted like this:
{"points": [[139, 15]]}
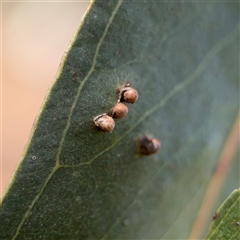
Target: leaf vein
{"points": [[195, 74], [190, 140], [226, 214], [69, 119], [191, 78]]}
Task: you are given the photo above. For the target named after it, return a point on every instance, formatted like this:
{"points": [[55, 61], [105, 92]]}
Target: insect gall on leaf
{"points": [[148, 146], [104, 122]]}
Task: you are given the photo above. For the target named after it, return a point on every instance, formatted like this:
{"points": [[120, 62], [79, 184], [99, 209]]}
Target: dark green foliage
{"points": [[183, 58]]}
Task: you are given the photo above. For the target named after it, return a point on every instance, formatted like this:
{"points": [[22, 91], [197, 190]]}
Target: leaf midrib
{"points": [[57, 165]]}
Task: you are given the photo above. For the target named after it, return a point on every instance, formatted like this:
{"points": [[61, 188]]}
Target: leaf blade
{"points": [[100, 187], [226, 223]]}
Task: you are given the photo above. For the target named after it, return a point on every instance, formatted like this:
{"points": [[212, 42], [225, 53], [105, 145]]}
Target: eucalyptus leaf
{"points": [[76, 182], [231, 182], [226, 223]]}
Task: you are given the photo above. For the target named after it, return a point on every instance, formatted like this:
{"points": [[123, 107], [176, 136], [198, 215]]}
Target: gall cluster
{"points": [[105, 122]]}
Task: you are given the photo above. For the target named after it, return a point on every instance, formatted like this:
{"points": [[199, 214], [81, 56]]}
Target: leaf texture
{"points": [[226, 224], [75, 182]]}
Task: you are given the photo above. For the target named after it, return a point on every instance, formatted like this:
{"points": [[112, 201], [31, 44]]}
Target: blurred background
{"points": [[34, 38]]}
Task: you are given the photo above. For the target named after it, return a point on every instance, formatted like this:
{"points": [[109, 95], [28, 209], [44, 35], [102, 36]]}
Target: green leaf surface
{"points": [[75, 182], [226, 221], [231, 182]]}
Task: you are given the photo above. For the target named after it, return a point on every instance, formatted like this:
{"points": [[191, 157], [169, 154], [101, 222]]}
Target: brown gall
{"points": [[120, 110], [130, 95], [148, 145], [104, 123], [127, 94]]}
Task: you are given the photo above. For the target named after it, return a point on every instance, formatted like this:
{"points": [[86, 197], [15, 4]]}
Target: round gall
{"points": [[130, 95], [148, 145], [104, 122], [119, 110]]}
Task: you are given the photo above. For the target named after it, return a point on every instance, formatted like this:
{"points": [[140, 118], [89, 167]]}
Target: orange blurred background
{"points": [[34, 38]]}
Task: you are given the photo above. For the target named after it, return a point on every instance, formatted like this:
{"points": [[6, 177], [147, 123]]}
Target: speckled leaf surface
{"points": [[226, 223], [75, 182]]}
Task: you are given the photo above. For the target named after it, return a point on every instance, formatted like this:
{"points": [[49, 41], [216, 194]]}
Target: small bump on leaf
{"points": [[120, 110], [104, 122], [148, 145], [127, 94]]}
